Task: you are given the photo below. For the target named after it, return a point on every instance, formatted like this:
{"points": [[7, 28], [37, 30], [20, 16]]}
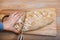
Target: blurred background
{"points": [[26, 4]]}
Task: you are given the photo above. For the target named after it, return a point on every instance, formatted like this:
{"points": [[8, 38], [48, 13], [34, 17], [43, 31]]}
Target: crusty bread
{"points": [[38, 18]]}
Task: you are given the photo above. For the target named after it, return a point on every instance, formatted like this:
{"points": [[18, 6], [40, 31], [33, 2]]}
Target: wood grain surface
{"points": [[7, 4]]}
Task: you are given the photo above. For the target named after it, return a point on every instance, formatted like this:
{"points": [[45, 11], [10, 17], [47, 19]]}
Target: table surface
{"points": [[47, 3]]}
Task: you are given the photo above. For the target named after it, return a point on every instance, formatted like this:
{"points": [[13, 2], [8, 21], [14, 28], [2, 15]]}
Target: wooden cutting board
{"points": [[47, 30]]}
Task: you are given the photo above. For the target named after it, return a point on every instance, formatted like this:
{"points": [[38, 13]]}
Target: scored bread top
{"points": [[39, 18]]}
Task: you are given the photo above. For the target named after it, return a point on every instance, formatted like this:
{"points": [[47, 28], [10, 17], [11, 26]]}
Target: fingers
{"points": [[13, 14], [13, 17], [11, 21]]}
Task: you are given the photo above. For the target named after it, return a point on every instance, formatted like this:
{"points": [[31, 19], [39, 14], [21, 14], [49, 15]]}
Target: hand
{"points": [[11, 20]]}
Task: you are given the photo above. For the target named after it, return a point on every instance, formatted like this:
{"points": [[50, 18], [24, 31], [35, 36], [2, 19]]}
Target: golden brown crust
{"points": [[37, 18]]}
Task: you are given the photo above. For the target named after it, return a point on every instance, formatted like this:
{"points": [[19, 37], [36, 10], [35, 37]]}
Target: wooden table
{"points": [[42, 4]]}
